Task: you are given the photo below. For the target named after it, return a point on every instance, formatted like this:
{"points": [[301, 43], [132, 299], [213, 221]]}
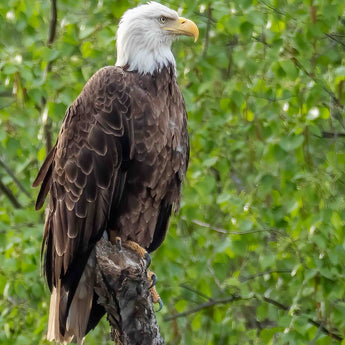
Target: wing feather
{"points": [[85, 177], [46, 184], [44, 168]]}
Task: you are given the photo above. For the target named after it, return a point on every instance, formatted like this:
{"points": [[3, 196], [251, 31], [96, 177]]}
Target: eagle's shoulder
{"points": [[107, 72]]}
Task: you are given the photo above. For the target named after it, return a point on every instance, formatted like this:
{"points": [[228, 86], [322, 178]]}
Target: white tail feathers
{"points": [[79, 311]]}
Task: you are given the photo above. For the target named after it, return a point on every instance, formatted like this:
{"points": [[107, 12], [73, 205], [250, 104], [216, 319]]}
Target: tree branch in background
{"points": [[247, 232], [319, 82], [276, 10], [319, 323], [208, 28], [53, 23], [211, 303], [332, 135], [51, 38], [47, 126], [184, 286], [233, 298], [334, 38], [4, 189], [260, 274], [123, 290], [14, 178], [223, 231]]}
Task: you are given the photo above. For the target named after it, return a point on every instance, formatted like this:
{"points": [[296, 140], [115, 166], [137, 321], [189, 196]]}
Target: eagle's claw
{"points": [[153, 279], [147, 258], [161, 304]]}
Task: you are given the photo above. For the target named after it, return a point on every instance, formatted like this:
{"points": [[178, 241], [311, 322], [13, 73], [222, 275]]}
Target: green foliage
{"points": [[263, 212]]}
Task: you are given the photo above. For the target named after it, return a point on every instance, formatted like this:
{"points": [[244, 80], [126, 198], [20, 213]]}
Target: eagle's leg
{"points": [[152, 278]]}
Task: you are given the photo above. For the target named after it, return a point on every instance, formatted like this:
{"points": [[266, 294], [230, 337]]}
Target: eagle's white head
{"points": [[145, 35]]}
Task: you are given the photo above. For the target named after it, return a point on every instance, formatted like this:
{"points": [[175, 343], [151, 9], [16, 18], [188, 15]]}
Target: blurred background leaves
{"points": [[256, 254]]}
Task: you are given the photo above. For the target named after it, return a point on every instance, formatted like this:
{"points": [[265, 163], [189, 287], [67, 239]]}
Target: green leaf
{"points": [[291, 142], [196, 323]]}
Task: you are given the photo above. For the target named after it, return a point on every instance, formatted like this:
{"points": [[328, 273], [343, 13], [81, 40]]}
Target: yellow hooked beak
{"points": [[183, 26]]}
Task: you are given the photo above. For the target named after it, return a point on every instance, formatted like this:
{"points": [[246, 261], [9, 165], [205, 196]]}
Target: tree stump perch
{"points": [[123, 290]]}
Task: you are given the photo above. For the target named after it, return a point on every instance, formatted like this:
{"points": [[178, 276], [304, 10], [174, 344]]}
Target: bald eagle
{"points": [[117, 167]]}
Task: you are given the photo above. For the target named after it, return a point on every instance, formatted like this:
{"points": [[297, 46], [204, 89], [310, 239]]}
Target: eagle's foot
{"points": [[152, 278], [136, 248], [154, 294]]}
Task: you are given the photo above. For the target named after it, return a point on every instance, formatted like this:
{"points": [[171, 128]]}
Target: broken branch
{"points": [[123, 290]]}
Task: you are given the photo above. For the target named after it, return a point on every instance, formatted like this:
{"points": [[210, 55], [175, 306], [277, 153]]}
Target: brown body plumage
{"points": [[117, 166]]}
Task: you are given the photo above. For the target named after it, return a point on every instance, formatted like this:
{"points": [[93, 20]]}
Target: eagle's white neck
{"points": [[137, 55]]}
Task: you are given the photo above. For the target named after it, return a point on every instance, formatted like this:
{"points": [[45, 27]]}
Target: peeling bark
{"points": [[123, 290]]}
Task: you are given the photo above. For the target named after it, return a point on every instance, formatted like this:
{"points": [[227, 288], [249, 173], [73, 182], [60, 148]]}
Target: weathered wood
{"points": [[123, 290]]}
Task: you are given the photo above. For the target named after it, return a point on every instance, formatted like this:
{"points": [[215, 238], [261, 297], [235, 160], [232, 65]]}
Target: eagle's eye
{"points": [[163, 19]]}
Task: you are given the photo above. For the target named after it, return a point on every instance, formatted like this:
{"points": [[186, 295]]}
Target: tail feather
{"points": [[56, 300], [76, 322]]}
